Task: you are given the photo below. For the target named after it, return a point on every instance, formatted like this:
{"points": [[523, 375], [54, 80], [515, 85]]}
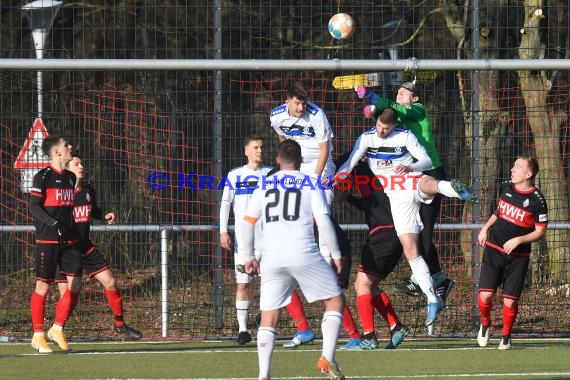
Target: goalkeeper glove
{"points": [[61, 232], [369, 110], [363, 92]]}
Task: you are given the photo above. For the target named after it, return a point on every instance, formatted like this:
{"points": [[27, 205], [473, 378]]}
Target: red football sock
{"points": [[116, 305], [484, 311], [64, 308], [365, 312], [383, 304], [509, 316], [295, 309], [349, 325], [74, 301], [38, 311]]}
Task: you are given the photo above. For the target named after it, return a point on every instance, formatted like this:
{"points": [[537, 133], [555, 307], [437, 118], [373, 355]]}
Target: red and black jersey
{"points": [[51, 200], [85, 209], [518, 212]]}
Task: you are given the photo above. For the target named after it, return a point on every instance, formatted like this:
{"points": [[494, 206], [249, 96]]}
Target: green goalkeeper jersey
{"points": [[416, 119]]}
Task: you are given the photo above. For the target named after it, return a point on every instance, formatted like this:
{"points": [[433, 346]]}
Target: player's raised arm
{"points": [[355, 156], [323, 135], [418, 151]]}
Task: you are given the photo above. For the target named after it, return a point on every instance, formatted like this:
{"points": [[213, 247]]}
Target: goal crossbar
{"points": [[411, 64]]}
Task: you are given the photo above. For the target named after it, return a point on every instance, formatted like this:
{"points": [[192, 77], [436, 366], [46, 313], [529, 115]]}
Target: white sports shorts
{"points": [[405, 206], [317, 282]]}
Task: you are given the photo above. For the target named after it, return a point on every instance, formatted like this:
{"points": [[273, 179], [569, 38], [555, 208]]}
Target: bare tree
{"points": [[493, 121], [545, 123]]}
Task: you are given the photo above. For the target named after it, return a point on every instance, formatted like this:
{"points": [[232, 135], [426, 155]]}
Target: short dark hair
{"points": [[50, 141], [75, 154], [533, 165], [249, 139], [388, 116], [290, 152], [296, 90]]}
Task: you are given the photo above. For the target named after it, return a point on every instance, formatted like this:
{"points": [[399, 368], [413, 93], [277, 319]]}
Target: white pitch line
{"points": [[254, 350], [460, 375]]}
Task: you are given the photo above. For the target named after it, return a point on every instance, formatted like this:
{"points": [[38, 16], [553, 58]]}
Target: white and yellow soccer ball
{"points": [[341, 26]]}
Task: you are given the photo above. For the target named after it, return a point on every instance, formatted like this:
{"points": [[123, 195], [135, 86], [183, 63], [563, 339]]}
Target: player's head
{"points": [[406, 93], [386, 122], [524, 169], [289, 155], [76, 166], [57, 148], [296, 99], [253, 149]]}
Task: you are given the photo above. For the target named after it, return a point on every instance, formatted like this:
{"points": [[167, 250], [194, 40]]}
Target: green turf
{"points": [[421, 359]]}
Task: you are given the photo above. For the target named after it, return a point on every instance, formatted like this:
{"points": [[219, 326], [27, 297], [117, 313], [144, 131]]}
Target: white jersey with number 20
{"points": [[286, 209]]}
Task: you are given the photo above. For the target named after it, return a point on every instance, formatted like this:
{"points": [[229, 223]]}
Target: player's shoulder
{"points": [[44, 173], [370, 131], [42, 178], [539, 196], [402, 130], [236, 169], [265, 169], [88, 187], [505, 186], [313, 109], [278, 110], [70, 174]]}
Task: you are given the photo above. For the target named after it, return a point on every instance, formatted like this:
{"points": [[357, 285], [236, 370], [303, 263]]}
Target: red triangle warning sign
{"points": [[31, 155]]}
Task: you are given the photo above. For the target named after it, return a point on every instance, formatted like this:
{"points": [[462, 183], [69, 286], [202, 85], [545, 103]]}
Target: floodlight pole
{"points": [[40, 15]]}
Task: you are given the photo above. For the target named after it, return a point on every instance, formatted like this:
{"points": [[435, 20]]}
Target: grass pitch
{"points": [[415, 359]]}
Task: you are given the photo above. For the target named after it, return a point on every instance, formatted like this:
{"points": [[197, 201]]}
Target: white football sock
{"points": [[242, 313], [423, 277], [445, 188], [332, 321], [265, 346]]}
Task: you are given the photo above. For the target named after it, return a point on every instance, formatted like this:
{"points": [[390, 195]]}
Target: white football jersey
{"points": [[286, 209], [384, 154], [309, 130], [240, 184]]}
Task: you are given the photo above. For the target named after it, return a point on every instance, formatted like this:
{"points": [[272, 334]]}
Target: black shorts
{"points": [[51, 258], [381, 253], [47, 261], [498, 268], [71, 261], [93, 262]]}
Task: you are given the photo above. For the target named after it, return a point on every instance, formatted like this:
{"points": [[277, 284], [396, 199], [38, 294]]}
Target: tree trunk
{"points": [[546, 130], [492, 121]]}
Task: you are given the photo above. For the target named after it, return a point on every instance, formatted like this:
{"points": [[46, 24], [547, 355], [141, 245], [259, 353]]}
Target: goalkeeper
{"points": [[413, 115]]}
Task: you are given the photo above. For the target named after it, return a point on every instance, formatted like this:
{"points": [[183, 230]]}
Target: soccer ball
{"points": [[341, 26]]}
